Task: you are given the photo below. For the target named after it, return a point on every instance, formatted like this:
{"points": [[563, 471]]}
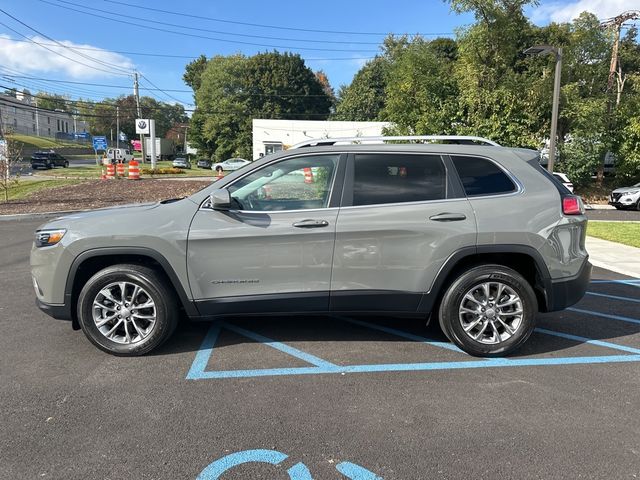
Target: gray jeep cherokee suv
{"points": [[479, 237]]}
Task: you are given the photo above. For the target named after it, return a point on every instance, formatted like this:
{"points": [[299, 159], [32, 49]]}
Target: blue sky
{"points": [[111, 27]]}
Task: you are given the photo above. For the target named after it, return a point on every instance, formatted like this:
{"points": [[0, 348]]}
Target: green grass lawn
{"points": [[620, 232], [94, 171], [41, 142], [24, 188]]}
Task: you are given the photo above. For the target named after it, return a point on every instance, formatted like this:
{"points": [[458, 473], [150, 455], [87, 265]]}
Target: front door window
{"points": [[299, 183]]}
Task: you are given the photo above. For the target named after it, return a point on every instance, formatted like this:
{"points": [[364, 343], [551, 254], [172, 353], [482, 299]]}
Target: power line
{"points": [[166, 55], [193, 35], [276, 27], [63, 46], [245, 35], [165, 90]]}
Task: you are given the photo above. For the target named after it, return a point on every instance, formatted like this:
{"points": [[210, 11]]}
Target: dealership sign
{"points": [[142, 126]]}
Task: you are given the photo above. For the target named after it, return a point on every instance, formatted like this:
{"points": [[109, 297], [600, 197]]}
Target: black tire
{"points": [[158, 290], [65, 165], [452, 300], [617, 207], [638, 205]]}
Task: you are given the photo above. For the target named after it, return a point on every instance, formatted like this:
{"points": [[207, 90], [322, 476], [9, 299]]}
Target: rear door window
{"points": [[480, 176], [398, 178]]}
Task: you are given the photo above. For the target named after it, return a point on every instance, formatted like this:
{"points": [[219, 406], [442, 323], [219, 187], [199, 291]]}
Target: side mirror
{"points": [[220, 199]]}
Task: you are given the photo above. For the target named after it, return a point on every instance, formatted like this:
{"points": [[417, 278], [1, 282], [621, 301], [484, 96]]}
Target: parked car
{"points": [[118, 155], [230, 165], [564, 180], [181, 162], [479, 238], [626, 197], [204, 163], [48, 159]]}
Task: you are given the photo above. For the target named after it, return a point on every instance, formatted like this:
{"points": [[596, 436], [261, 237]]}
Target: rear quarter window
{"points": [[481, 177]]}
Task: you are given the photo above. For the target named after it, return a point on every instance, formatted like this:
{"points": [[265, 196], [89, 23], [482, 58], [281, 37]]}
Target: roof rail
{"points": [[459, 139]]}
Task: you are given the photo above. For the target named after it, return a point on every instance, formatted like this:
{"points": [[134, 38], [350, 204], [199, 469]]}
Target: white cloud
{"points": [[27, 57], [567, 11]]}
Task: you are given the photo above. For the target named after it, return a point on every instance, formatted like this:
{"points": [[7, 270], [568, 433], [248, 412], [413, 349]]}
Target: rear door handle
{"points": [[448, 217], [311, 224]]}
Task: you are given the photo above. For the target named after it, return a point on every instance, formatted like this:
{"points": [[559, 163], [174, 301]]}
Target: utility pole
{"points": [[614, 68], [616, 23], [117, 126], [136, 93]]}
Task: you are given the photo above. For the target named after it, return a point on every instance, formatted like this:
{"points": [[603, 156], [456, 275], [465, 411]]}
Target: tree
{"points": [[421, 92], [102, 116], [193, 72], [364, 99], [236, 89], [49, 101]]}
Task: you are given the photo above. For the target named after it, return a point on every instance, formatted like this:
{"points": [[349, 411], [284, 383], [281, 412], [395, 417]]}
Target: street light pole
{"points": [[557, 52]]}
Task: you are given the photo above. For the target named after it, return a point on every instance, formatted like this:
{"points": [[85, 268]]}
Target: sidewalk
{"points": [[614, 256]]}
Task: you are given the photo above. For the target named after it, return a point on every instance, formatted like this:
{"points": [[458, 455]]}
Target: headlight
{"points": [[47, 238], [631, 193]]}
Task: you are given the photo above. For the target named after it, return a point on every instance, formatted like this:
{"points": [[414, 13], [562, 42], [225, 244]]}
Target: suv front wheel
{"points": [[489, 310], [127, 310]]}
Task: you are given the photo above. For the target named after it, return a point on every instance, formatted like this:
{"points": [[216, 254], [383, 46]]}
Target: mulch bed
{"points": [[102, 193]]}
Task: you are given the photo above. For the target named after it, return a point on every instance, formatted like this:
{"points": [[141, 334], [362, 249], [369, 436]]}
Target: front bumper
{"points": [[563, 293]]}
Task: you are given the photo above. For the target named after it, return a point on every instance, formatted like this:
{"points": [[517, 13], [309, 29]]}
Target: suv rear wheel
{"points": [[489, 310], [127, 310]]}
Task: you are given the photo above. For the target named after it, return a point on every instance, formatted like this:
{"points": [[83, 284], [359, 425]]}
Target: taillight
{"points": [[571, 205]]}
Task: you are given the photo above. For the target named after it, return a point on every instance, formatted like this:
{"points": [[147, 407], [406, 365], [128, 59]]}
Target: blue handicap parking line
{"points": [[198, 370], [605, 315], [614, 297], [630, 281]]}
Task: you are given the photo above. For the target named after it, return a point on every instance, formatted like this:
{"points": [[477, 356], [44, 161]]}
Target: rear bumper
{"points": [[59, 312], [565, 292]]}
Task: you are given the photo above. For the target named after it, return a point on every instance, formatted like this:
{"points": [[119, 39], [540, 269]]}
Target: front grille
{"points": [[615, 197]]}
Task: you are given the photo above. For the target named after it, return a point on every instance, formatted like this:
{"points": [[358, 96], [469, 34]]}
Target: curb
{"points": [[613, 268]]}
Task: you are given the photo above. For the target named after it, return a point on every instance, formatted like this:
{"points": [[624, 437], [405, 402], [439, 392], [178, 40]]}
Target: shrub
{"points": [[161, 171]]}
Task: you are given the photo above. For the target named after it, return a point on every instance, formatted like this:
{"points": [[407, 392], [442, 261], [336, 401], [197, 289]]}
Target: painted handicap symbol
{"points": [[272, 457]]}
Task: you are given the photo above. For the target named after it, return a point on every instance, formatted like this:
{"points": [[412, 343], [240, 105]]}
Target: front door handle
{"points": [[448, 217], [311, 224]]}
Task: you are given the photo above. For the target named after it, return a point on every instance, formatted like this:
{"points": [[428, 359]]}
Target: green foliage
{"points": [[193, 72], [235, 89], [102, 116], [628, 165], [364, 99], [49, 101], [421, 93]]}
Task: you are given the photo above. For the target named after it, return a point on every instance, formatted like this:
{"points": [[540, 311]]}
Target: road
{"points": [[409, 407], [24, 168], [614, 215]]}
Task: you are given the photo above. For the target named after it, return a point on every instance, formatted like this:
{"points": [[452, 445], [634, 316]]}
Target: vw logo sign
{"points": [[142, 124]]}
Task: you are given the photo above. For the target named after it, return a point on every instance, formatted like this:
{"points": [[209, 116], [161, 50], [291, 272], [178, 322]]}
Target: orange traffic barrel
{"points": [[111, 171], [120, 169], [134, 170], [308, 175]]}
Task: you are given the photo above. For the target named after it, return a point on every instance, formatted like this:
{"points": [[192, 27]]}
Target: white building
{"points": [[21, 115], [271, 136]]}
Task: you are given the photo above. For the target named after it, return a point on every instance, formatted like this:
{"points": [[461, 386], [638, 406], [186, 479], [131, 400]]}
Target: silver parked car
{"points": [[477, 237], [626, 197], [230, 165], [181, 162]]}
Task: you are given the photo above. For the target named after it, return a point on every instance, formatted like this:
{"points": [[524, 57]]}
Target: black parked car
{"points": [[204, 163], [48, 160]]}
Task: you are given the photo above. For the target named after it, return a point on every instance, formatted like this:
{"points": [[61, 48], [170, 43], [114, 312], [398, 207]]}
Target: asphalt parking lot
{"points": [[612, 215], [321, 398]]}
